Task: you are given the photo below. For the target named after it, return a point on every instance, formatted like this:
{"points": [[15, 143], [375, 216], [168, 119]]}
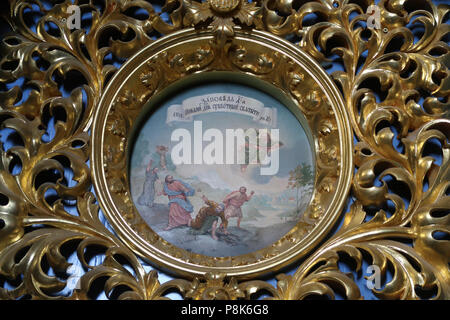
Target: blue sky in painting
{"points": [[295, 150]]}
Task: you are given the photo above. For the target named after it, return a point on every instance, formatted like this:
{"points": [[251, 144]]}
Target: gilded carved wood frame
{"points": [[380, 130]]}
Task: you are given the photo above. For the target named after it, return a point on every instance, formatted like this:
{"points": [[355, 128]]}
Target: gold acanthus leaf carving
{"points": [[409, 107]]}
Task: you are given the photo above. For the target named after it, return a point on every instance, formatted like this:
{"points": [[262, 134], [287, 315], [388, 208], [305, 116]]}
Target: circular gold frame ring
{"points": [[257, 59]]}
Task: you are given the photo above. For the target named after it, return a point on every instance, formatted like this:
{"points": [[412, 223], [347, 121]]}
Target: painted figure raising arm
{"points": [[148, 193], [233, 203]]}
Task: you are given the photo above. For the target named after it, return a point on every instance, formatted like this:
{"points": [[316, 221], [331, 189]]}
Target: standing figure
{"points": [[148, 193], [233, 203], [179, 206], [207, 218]]}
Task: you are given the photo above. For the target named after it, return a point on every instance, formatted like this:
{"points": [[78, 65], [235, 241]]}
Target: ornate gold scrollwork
{"points": [[394, 85]]}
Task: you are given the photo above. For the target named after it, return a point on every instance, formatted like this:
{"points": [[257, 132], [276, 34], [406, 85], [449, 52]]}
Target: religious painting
{"points": [[221, 169]]}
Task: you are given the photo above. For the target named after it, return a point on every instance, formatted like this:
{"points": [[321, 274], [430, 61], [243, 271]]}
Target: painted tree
{"points": [[301, 176]]}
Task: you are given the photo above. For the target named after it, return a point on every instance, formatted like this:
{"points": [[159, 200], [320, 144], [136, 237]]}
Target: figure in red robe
{"points": [[179, 206]]}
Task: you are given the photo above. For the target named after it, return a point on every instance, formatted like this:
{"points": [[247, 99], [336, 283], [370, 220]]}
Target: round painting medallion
{"points": [[222, 169], [212, 158]]}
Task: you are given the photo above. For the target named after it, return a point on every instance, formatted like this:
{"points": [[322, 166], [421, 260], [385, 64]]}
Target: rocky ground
{"points": [[242, 240]]}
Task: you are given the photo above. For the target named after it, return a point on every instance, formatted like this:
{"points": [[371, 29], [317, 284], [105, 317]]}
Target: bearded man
{"points": [[233, 203], [179, 206]]}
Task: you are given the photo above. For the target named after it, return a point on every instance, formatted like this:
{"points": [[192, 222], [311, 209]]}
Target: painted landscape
{"points": [[221, 209]]}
